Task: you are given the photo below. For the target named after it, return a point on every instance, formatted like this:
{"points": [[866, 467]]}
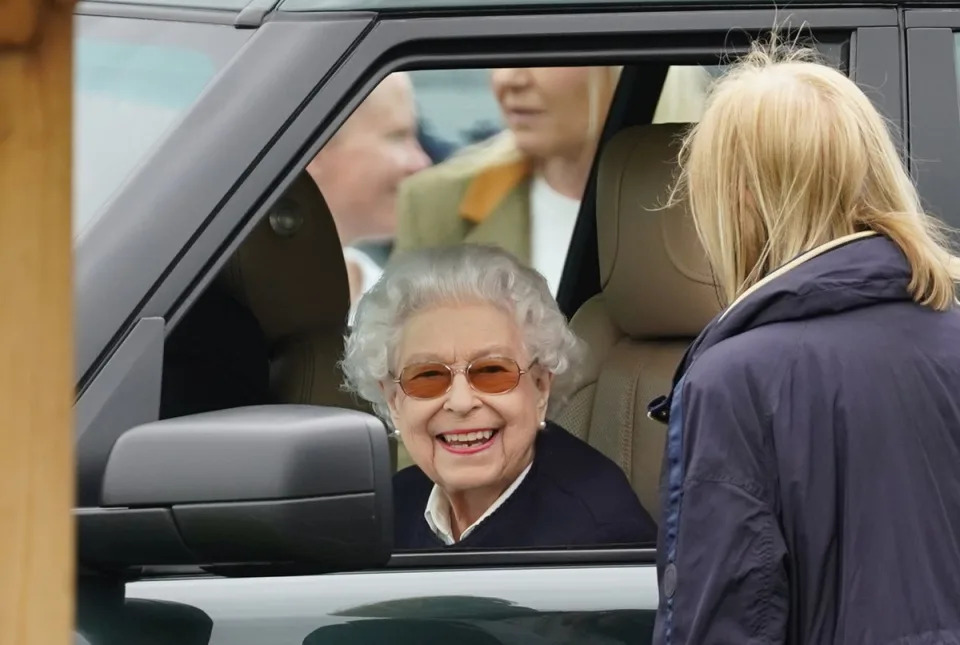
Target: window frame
{"points": [[933, 113]]}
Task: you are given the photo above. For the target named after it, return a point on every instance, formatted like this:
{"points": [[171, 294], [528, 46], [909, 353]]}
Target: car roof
{"points": [[387, 6]]}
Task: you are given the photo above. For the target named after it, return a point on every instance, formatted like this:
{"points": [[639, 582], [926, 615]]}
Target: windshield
{"points": [[133, 80]]}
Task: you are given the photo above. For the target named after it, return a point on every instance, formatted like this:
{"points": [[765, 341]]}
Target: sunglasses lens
{"points": [[494, 375], [425, 381]]}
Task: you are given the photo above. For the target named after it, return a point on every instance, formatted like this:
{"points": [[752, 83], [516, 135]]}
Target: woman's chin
{"points": [[533, 144], [463, 479]]}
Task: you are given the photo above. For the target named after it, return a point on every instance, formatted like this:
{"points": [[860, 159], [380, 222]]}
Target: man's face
{"points": [[359, 170]]}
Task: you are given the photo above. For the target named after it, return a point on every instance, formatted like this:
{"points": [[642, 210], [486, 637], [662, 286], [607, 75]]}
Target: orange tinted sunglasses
{"points": [[491, 375]]}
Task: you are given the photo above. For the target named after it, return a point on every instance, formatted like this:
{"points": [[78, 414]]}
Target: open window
{"points": [[405, 163]]}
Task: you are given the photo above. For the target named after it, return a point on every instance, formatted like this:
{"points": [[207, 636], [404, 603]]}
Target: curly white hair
{"points": [[421, 279]]}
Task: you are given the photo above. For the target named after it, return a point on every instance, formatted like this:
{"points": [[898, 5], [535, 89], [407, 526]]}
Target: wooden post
{"points": [[36, 326]]}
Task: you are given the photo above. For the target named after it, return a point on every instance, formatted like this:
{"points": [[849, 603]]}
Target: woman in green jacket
{"points": [[521, 189]]}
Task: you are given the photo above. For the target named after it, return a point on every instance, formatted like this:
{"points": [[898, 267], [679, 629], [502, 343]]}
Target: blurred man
{"points": [[360, 168]]}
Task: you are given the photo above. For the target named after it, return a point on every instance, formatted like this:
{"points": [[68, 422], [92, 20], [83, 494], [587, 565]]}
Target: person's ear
{"points": [[543, 380], [391, 393]]}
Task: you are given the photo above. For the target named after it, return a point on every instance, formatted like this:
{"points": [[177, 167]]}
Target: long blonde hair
{"points": [[789, 155], [601, 85]]}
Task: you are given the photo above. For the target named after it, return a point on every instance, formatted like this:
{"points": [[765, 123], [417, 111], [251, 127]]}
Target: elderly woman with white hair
{"points": [[461, 349]]}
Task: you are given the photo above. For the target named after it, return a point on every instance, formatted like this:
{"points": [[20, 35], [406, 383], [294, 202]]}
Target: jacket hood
{"points": [[856, 271]]}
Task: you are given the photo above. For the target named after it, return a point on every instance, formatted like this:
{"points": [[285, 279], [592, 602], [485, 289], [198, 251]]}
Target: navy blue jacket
{"points": [[811, 484], [572, 496]]}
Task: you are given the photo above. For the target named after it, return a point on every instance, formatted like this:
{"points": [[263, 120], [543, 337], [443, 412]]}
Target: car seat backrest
{"points": [[656, 295], [291, 274]]}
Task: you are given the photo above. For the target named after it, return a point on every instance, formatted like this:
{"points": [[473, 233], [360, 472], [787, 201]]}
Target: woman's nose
{"points": [[461, 398], [415, 159]]}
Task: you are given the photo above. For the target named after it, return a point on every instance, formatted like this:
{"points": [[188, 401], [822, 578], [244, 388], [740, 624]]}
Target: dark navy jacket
{"points": [[811, 484], [572, 496]]}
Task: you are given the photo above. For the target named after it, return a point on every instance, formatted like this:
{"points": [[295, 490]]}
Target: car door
{"points": [[178, 110], [933, 66], [595, 596]]}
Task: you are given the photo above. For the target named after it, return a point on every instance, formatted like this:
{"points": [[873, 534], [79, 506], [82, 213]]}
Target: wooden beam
{"points": [[18, 22], [36, 347]]}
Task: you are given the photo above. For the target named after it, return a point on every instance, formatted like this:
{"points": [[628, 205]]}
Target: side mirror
{"points": [[280, 484]]}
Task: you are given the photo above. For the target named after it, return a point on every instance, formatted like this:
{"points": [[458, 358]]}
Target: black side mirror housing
{"points": [[279, 484]]}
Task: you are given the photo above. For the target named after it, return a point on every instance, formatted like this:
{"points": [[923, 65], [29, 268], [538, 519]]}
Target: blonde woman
{"points": [[811, 484], [521, 190]]}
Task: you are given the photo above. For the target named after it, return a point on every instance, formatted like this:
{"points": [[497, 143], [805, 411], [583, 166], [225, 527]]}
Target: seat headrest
{"points": [[653, 270], [290, 270]]}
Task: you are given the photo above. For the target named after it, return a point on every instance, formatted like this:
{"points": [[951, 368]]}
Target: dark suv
{"points": [[271, 524]]}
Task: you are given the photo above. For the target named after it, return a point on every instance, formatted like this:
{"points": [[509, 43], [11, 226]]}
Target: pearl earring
{"points": [[543, 424]]}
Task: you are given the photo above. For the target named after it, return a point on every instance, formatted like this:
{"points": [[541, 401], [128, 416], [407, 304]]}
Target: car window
{"points": [[133, 80], [442, 157], [467, 170]]}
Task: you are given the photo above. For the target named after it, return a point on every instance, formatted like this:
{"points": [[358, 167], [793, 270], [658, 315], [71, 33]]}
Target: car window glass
{"points": [[133, 80]]}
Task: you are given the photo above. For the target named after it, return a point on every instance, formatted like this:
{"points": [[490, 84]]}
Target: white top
{"points": [[552, 218], [370, 272], [437, 513]]}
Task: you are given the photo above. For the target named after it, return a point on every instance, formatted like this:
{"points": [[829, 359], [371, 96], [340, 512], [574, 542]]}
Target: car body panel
{"points": [[602, 605], [125, 394], [934, 107]]}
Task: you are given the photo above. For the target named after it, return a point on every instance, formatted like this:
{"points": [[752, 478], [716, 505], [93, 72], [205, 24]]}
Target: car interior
{"points": [[281, 300], [287, 299], [290, 274], [656, 296]]}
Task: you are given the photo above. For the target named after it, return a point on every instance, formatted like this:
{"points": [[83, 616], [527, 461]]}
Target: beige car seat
{"points": [[657, 294], [291, 275]]}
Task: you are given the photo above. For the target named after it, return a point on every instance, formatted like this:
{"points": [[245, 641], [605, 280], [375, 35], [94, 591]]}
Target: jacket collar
{"points": [[848, 273], [438, 513], [793, 264], [488, 188]]}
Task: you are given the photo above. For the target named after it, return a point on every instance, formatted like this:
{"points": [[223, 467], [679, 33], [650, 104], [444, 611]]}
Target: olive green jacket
{"points": [[479, 196]]}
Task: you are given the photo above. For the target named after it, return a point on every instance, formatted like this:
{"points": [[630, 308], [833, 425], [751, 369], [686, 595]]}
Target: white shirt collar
{"points": [[437, 513]]}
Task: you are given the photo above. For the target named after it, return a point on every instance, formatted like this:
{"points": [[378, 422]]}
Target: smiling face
{"points": [[466, 440]]}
